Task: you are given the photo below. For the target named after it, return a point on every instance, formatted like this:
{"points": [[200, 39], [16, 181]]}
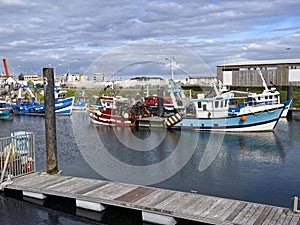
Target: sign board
{"points": [[294, 75], [227, 78]]}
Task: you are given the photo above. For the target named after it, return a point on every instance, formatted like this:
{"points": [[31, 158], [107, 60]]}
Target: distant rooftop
{"points": [[146, 78], [263, 62]]}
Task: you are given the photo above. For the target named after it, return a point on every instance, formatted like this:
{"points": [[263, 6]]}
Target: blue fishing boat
{"points": [[5, 111], [221, 113], [63, 105], [81, 102]]}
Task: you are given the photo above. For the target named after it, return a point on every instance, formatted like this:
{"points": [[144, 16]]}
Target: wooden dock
{"points": [[156, 205]]}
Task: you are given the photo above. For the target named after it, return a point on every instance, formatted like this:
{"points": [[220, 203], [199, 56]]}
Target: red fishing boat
{"points": [[152, 104], [117, 111]]}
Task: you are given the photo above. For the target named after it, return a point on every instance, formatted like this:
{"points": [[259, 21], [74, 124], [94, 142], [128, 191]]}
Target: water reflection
{"points": [[148, 156], [259, 147], [13, 211], [151, 159]]}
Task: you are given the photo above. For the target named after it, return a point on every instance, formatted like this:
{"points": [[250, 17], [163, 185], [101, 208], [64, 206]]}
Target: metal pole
{"points": [[50, 124], [290, 95], [295, 209]]}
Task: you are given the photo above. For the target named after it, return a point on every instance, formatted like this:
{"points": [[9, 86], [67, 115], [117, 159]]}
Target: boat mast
{"points": [[263, 81], [6, 68]]}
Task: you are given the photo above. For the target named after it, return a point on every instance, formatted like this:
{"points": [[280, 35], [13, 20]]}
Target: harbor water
{"points": [[257, 167]]}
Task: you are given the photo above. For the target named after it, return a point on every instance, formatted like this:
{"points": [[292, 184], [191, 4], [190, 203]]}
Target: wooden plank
{"points": [[135, 194], [184, 202], [169, 203], [294, 220], [270, 216], [287, 220], [242, 214], [50, 182], [155, 198], [110, 191], [214, 203], [191, 206], [222, 216], [217, 211], [91, 187], [206, 203], [256, 214], [72, 186], [254, 207], [263, 215], [196, 205], [281, 218], [277, 216], [38, 181], [236, 211]]}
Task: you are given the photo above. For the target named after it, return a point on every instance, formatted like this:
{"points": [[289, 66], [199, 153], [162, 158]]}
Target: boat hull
{"points": [[5, 113], [251, 122], [286, 108], [62, 107], [96, 117], [79, 107]]}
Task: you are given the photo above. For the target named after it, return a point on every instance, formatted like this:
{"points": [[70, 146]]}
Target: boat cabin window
{"points": [[199, 105], [61, 95], [216, 104], [204, 107], [258, 98], [266, 97], [271, 96], [222, 104]]}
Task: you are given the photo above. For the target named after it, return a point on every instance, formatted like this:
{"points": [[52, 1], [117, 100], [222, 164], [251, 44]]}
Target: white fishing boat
{"points": [[221, 113], [269, 96]]}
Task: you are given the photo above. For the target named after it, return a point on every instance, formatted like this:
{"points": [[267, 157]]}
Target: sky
{"points": [[130, 37]]}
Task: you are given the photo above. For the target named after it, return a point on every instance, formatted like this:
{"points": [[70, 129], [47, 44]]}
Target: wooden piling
{"points": [[50, 123], [160, 94]]}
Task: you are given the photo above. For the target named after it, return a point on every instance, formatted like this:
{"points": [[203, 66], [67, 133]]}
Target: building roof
{"points": [[146, 78], [263, 62]]}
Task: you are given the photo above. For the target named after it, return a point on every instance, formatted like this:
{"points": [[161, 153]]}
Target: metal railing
{"points": [[17, 155]]}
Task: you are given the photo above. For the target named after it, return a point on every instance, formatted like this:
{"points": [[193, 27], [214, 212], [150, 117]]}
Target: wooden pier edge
{"points": [[156, 205]]}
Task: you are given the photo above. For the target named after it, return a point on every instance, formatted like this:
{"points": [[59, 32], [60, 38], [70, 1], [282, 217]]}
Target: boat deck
{"points": [[154, 203]]}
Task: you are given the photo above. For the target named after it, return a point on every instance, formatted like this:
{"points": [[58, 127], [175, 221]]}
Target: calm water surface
{"points": [[257, 167]]}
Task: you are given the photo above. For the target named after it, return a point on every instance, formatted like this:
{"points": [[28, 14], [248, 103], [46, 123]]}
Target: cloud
{"points": [[32, 32]]}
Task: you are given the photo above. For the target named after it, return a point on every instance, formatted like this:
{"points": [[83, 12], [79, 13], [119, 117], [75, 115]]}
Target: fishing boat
{"points": [[152, 104], [81, 102], [221, 113], [5, 111], [116, 111], [269, 96], [27, 105]]}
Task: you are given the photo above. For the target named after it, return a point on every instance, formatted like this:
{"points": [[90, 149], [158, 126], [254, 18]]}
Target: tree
{"points": [[21, 76]]}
